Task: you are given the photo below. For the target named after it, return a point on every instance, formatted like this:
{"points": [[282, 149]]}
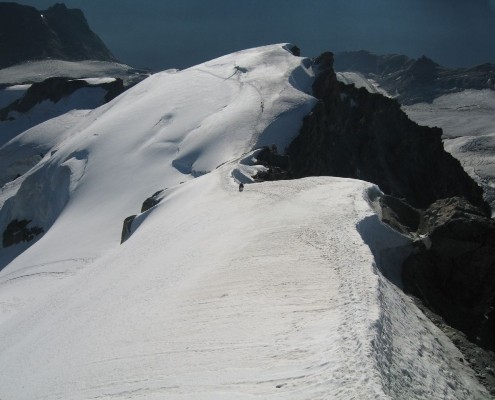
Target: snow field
{"points": [[220, 294]]}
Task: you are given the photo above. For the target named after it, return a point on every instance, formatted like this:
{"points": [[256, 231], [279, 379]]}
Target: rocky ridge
{"points": [[355, 134], [415, 81]]}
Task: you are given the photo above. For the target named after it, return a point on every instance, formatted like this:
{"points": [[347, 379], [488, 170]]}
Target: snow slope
{"points": [[83, 99], [269, 293], [168, 129]]}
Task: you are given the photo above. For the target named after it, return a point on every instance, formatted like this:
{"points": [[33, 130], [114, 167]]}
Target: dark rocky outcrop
{"points": [[152, 201], [126, 228], [453, 270], [414, 81], [149, 203], [277, 165], [295, 51], [353, 133], [399, 215], [17, 231], [54, 89], [60, 33]]}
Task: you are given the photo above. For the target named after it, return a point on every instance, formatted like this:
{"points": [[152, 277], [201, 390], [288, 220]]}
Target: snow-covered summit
{"points": [[168, 129], [269, 293]]}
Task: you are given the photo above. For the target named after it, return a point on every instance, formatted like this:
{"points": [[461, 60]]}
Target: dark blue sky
{"points": [[162, 34]]}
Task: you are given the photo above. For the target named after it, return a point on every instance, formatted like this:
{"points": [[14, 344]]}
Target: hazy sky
{"points": [[162, 34]]}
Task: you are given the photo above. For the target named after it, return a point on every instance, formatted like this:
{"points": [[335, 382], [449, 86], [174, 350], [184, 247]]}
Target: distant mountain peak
{"points": [[415, 80], [59, 32]]}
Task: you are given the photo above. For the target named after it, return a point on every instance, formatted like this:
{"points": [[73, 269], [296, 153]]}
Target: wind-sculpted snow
{"points": [[271, 292]]}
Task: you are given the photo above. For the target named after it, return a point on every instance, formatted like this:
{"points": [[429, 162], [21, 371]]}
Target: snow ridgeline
{"points": [[269, 293]]}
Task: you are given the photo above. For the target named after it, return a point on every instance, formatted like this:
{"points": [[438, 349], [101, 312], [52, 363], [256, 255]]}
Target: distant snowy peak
{"points": [[57, 32], [415, 81]]}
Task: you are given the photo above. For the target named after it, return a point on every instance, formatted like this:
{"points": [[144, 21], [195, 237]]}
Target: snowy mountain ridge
{"points": [[270, 292]]}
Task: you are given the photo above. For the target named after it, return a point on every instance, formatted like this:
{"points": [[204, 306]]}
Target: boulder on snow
{"points": [[152, 201], [17, 231], [126, 228]]}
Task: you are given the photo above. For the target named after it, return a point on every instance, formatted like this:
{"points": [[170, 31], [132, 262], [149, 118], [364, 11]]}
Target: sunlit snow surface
{"points": [[218, 294]]}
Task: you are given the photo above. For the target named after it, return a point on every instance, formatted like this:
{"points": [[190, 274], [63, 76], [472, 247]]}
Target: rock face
{"points": [[152, 201], [415, 81], [355, 134], [60, 33], [54, 89], [126, 228], [454, 275], [18, 231], [399, 215], [277, 166]]}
